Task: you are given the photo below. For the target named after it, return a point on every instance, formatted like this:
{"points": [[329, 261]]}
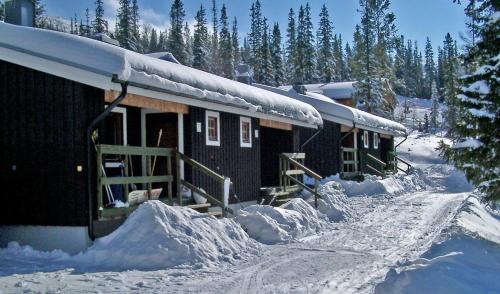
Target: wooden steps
{"points": [[275, 196]]}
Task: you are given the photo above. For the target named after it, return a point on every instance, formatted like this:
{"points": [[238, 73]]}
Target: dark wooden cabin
{"points": [[75, 131]]}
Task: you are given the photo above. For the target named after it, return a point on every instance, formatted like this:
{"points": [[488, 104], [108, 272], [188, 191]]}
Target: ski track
{"points": [[351, 258]]}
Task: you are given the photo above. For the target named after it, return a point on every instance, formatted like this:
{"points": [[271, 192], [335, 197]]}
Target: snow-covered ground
{"points": [[406, 233]]}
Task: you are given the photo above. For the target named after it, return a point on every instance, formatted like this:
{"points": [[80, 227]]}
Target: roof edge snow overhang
{"points": [[104, 80]]}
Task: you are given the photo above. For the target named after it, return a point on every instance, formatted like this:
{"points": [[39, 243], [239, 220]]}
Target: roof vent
{"points": [[244, 74], [301, 89], [105, 38], [167, 56], [20, 12]]}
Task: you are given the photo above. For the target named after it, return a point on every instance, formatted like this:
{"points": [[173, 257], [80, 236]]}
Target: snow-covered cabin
{"points": [[351, 142], [66, 98]]}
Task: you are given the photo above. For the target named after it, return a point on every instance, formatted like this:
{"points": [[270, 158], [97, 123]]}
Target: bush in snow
{"points": [[157, 236], [271, 225]]}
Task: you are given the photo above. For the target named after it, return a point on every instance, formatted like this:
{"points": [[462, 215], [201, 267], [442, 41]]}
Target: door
{"points": [[272, 143], [161, 131]]}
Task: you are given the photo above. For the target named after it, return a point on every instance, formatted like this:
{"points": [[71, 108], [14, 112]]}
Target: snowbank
{"points": [[466, 261], [374, 185], [333, 202], [271, 225], [157, 236]]}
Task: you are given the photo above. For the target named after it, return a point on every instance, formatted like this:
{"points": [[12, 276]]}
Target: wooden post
{"points": [[224, 212], [148, 168], [169, 172], [126, 175], [99, 181], [178, 176], [316, 184]]}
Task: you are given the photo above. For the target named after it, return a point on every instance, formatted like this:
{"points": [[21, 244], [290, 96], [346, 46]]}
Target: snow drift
{"points": [[271, 225], [157, 236], [466, 260], [333, 202]]}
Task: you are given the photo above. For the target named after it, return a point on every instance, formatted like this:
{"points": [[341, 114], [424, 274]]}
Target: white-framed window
{"points": [[366, 139], [212, 128], [245, 132], [375, 140]]}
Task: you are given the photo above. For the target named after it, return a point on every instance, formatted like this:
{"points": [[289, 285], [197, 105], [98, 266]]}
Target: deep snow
{"points": [[403, 232]]}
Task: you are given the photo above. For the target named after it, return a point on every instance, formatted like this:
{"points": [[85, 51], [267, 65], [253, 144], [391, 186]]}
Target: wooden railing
{"points": [[223, 182], [349, 161], [127, 152], [292, 170], [373, 164], [395, 163]]}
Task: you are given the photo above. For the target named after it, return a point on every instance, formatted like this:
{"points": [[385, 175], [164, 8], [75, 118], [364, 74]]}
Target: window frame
{"points": [[215, 115], [376, 139], [249, 121], [366, 140]]}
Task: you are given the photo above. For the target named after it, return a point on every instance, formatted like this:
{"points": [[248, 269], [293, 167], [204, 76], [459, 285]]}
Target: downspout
{"points": [[406, 137], [320, 128], [90, 130]]}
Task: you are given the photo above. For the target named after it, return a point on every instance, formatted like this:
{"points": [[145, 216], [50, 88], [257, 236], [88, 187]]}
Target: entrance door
{"points": [[272, 143], [161, 131]]}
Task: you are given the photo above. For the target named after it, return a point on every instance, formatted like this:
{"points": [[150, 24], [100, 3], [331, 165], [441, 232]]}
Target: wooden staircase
{"points": [[207, 209], [276, 196]]}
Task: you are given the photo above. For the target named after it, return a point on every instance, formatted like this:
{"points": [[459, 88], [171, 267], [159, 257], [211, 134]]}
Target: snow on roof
{"points": [[167, 56], [95, 63], [337, 91], [333, 111]]}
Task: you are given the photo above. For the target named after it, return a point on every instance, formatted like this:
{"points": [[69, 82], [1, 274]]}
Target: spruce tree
{"points": [[399, 66], [2, 11], [235, 42], [215, 64], [305, 66], [201, 41], [435, 107], [349, 61], [429, 68], [450, 83], [264, 72], [88, 29], [277, 57], [188, 40], [134, 23], [100, 24], [145, 37], [426, 123], [39, 12], [290, 49], [176, 44], [255, 37], [477, 149], [225, 46], [325, 49], [153, 42], [124, 32]]}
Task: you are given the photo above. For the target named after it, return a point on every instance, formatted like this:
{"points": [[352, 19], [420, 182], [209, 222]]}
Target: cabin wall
{"points": [[43, 120], [369, 150], [323, 151], [241, 164]]}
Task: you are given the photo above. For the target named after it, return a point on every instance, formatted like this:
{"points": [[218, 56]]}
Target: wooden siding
{"points": [[386, 146], [241, 164], [43, 122], [323, 151], [147, 102], [273, 142], [370, 149], [275, 124]]}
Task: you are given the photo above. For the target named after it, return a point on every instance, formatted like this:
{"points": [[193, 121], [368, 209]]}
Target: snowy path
{"points": [[353, 257]]}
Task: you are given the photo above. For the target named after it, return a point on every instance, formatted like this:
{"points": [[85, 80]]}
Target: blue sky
{"points": [[415, 19]]}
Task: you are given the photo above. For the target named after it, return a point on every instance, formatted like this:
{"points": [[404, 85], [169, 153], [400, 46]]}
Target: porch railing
{"points": [[349, 161], [373, 164], [292, 170], [127, 152], [223, 182]]}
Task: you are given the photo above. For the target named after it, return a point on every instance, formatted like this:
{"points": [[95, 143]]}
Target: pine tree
{"points": [[225, 46], [418, 71], [348, 63], [325, 49], [188, 39], [215, 66], [124, 32], [245, 52], [264, 72], [88, 29], [134, 23], [175, 41], [450, 83], [340, 61], [100, 24], [290, 49], [426, 123], [440, 71], [429, 68], [201, 41], [153, 42], [145, 37], [255, 37], [435, 107], [477, 131], [2, 11], [399, 66], [305, 65], [39, 12], [235, 42], [377, 28], [277, 57]]}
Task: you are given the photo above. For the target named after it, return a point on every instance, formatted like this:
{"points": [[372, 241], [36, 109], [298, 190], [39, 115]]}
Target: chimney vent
{"points": [[20, 12]]}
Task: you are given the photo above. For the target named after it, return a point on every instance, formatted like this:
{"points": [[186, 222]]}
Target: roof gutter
{"points": [[90, 130]]}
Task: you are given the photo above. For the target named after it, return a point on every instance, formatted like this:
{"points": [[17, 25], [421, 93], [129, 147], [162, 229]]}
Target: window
{"points": [[366, 139], [245, 132], [212, 124], [375, 140]]}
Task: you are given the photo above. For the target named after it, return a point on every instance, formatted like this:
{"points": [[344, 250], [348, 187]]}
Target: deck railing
{"points": [[349, 161], [223, 182], [373, 164], [127, 152], [292, 170]]}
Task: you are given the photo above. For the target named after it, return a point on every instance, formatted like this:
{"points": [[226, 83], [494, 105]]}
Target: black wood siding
{"points": [[369, 150], [386, 146], [273, 142], [323, 151], [241, 164], [43, 119]]}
